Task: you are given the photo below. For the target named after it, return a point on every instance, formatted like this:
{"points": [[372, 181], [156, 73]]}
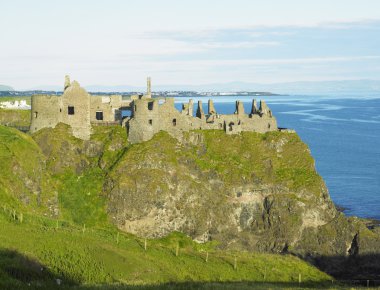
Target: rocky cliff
{"points": [[255, 192], [251, 191]]}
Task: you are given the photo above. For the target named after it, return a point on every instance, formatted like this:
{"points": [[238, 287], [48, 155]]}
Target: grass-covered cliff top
{"points": [[274, 157]]}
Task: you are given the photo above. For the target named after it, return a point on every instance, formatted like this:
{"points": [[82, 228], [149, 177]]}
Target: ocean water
{"points": [[344, 138]]}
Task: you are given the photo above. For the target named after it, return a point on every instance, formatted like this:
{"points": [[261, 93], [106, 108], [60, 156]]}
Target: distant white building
{"points": [[18, 105]]}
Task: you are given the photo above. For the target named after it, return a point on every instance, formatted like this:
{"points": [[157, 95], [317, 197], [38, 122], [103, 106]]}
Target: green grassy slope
{"points": [[89, 256]]}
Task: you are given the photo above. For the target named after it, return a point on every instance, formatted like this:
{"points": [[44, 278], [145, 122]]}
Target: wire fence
{"points": [[114, 235]]}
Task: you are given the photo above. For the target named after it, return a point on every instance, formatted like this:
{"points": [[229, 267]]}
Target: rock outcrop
{"points": [[255, 192]]}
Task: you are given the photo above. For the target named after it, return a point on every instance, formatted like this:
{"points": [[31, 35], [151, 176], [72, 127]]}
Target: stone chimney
{"points": [[254, 107], [191, 107], [148, 86], [264, 109], [67, 82], [239, 108], [200, 113], [211, 108]]}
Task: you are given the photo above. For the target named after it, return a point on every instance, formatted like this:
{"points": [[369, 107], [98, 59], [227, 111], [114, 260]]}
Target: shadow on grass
{"points": [[352, 267], [18, 271]]}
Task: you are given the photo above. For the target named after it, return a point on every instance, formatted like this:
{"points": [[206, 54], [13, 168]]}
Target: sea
{"points": [[343, 134]]}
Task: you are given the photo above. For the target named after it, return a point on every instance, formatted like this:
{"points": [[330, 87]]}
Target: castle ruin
{"points": [[148, 115]]}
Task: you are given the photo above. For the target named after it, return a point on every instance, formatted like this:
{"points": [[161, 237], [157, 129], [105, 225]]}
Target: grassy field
{"points": [[15, 118], [37, 251]]}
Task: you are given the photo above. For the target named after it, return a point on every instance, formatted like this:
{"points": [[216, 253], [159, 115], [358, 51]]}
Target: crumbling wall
{"points": [[150, 117], [79, 109]]}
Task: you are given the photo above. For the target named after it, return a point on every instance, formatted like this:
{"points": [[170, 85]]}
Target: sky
{"points": [[118, 42]]}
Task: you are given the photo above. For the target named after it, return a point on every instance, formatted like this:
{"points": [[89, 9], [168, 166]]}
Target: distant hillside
{"points": [[336, 88], [6, 88], [345, 87]]}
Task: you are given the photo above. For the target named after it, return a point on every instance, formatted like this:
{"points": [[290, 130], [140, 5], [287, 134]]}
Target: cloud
{"points": [[331, 50]]}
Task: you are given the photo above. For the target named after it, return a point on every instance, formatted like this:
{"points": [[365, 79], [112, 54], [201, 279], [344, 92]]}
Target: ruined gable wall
{"points": [[46, 112], [77, 97], [109, 105], [173, 121]]}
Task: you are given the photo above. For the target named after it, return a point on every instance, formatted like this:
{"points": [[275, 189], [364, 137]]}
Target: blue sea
{"points": [[343, 135]]}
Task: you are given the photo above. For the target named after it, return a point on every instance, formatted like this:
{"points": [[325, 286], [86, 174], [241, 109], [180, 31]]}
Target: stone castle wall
{"points": [[149, 116], [109, 106], [80, 110], [45, 112]]}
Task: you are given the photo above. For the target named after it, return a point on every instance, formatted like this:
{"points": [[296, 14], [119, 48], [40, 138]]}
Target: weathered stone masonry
{"points": [[81, 111], [76, 108]]}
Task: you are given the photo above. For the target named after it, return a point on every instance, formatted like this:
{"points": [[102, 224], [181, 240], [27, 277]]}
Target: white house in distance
{"points": [[18, 105]]}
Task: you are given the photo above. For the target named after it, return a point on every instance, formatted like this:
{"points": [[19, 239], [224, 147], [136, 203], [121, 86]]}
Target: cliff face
{"points": [[249, 191], [256, 192]]}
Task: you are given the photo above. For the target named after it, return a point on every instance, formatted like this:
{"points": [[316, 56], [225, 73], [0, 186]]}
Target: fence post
{"points": [[177, 250], [206, 257], [235, 263], [117, 238], [145, 244], [299, 278]]}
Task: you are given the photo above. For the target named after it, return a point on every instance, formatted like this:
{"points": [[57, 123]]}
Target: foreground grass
{"points": [[39, 251]]}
